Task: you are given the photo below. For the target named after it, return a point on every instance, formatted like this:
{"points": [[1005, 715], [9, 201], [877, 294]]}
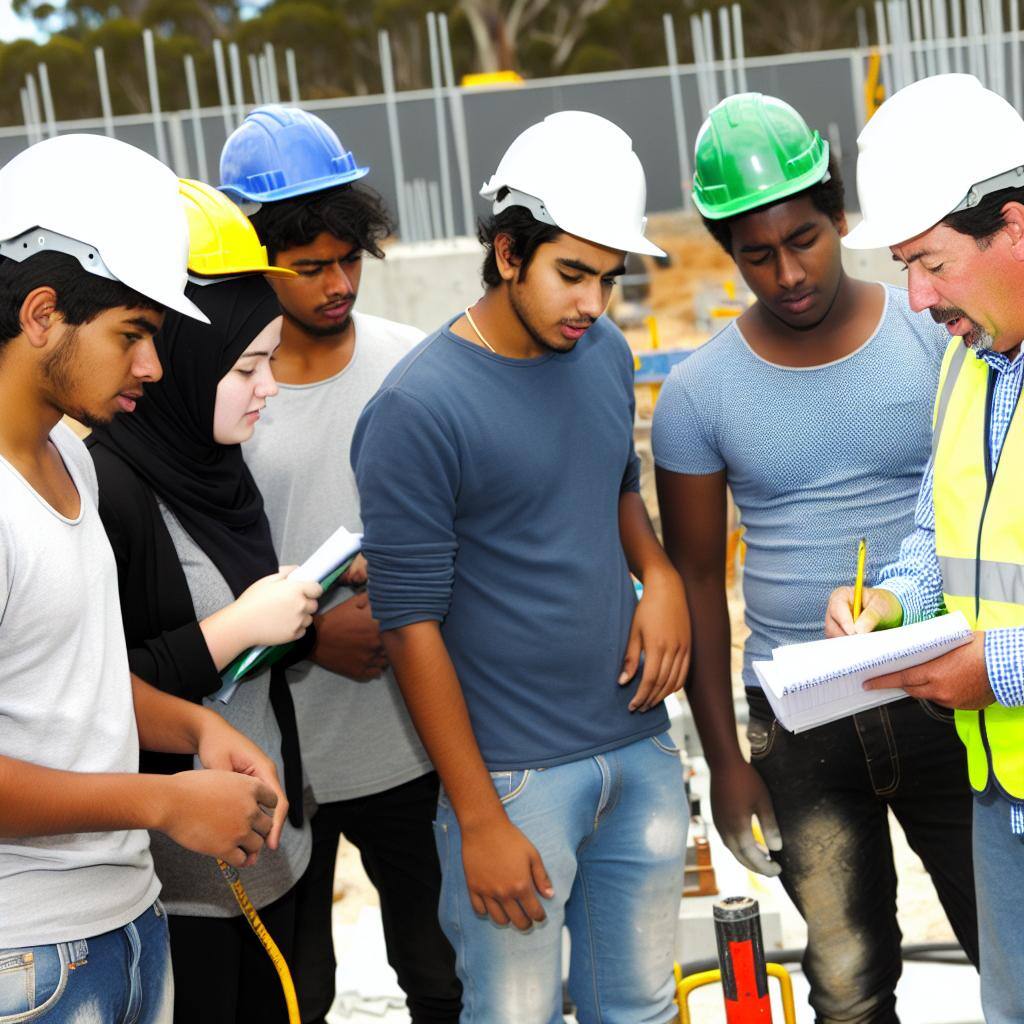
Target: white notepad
{"points": [[818, 682]]}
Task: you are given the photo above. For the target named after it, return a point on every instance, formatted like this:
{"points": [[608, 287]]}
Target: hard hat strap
{"points": [[513, 197], [1013, 178], [37, 239]]}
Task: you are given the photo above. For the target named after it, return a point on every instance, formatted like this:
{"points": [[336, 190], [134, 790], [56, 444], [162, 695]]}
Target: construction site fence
{"points": [[827, 87]]}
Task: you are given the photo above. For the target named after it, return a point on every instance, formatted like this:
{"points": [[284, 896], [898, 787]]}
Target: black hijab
{"points": [[168, 440]]}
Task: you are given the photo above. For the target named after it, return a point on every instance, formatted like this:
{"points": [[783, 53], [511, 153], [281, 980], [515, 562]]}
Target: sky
{"points": [[13, 27]]}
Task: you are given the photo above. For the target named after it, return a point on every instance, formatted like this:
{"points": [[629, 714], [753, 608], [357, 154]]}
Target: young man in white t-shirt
{"points": [[82, 935], [368, 772]]}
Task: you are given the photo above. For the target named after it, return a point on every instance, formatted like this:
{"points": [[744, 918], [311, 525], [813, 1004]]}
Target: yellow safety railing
{"points": [[684, 986]]}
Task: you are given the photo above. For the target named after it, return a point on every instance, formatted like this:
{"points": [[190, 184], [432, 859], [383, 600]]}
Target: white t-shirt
{"points": [[65, 703]]}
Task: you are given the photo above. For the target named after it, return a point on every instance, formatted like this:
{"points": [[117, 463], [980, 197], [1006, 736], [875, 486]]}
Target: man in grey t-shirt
{"points": [[368, 772]]}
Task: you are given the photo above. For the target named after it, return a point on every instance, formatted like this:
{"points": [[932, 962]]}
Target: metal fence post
{"points": [[405, 224], [458, 126], [445, 185], [198, 140], [154, 94], [293, 74], [678, 113], [222, 87], [44, 86], [101, 77]]}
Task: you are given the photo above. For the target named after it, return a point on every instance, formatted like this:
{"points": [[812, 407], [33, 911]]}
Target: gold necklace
{"points": [[472, 323]]}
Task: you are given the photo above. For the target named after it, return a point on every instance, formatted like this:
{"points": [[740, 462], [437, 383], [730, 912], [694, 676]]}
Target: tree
{"points": [[785, 28], [499, 27], [324, 41], [202, 19]]}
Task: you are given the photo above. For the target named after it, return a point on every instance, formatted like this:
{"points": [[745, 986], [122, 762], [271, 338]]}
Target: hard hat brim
{"points": [[631, 243], [868, 235], [181, 304], [282, 273], [166, 294], [240, 195], [637, 243], [643, 246]]}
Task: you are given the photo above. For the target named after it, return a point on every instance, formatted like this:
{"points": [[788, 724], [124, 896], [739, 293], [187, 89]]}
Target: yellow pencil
{"points": [[858, 587]]}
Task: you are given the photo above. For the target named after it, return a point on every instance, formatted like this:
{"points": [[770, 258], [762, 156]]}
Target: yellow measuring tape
{"points": [[278, 960]]}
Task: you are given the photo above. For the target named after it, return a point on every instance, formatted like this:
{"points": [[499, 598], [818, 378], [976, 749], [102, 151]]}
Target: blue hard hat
{"points": [[281, 152]]}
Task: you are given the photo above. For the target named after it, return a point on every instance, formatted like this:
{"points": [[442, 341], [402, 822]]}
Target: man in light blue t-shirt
{"points": [[812, 408]]}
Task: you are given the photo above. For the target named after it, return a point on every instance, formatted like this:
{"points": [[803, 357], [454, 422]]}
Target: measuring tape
{"points": [[277, 959]]}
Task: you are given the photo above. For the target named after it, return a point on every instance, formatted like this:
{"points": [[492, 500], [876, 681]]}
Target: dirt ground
{"points": [[697, 263]]}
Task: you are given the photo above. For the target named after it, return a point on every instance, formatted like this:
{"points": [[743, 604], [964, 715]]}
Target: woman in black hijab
{"points": [[199, 584]]}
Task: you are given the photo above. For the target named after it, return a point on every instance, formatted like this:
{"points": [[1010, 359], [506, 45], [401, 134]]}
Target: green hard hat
{"points": [[751, 151]]}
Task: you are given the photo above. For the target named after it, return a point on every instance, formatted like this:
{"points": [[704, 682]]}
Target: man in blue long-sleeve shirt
{"points": [[500, 505], [956, 222]]}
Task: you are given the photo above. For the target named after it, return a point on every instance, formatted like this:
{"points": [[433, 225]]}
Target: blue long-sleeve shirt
{"points": [[916, 578], [490, 495]]}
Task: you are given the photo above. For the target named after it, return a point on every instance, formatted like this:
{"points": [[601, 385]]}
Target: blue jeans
{"points": [[611, 830], [119, 977], [999, 876]]}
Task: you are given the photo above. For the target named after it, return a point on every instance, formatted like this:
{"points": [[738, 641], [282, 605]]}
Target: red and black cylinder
{"points": [[741, 958]]}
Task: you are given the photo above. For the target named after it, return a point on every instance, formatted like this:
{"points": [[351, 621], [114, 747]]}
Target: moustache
{"points": [[945, 314]]}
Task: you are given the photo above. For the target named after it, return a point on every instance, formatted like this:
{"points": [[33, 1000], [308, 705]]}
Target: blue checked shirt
{"points": [[915, 577]]}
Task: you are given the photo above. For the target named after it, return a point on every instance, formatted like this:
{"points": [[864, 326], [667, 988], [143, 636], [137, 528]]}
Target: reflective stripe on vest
{"points": [[990, 581], [952, 372], [979, 541]]}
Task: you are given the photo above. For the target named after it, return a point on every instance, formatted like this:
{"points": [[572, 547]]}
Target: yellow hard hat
{"points": [[222, 242]]}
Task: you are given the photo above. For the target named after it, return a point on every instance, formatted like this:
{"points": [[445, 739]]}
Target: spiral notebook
{"points": [[821, 681]]}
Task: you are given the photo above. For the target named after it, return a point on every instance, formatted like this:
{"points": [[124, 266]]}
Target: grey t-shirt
{"points": [[65, 703], [356, 737], [192, 883], [816, 457]]}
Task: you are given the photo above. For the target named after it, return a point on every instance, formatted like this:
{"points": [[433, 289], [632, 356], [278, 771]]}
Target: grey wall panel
{"points": [[820, 87]]}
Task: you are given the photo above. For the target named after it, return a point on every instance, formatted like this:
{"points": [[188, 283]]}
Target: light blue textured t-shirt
{"points": [[816, 458]]}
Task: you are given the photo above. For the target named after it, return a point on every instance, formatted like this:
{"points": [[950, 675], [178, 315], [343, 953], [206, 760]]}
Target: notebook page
{"points": [[806, 666], [796, 718], [814, 683]]}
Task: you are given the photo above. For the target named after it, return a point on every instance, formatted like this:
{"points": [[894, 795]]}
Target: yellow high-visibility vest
{"points": [[979, 539]]}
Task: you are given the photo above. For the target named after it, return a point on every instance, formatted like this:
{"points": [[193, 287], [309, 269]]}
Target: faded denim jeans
{"points": [[119, 977], [999, 867], [832, 788], [611, 830]]}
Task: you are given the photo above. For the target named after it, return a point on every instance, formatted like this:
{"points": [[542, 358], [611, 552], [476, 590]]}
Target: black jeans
{"points": [[394, 834], [832, 787], [222, 973]]}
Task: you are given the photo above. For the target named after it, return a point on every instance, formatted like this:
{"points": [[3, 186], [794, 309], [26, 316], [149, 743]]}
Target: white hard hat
{"points": [[935, 147], [578, 172], [113, 207]]}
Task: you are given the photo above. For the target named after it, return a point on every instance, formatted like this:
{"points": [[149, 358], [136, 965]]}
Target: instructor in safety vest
{"points": [[941, 182]]}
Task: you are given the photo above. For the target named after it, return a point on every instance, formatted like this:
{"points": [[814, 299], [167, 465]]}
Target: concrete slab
{"points": [[422, 283]]}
